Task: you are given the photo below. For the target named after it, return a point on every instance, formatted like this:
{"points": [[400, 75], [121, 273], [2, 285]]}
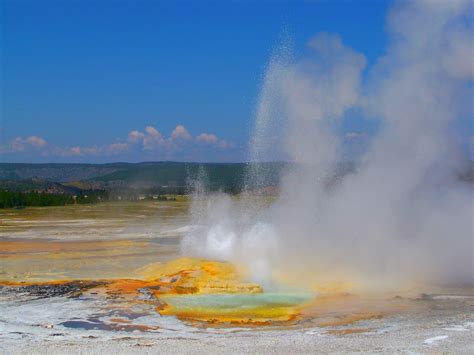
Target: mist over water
{"points": [[403, 216]]}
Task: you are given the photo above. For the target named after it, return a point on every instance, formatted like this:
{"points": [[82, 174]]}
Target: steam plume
{"points": [[402, 216]]}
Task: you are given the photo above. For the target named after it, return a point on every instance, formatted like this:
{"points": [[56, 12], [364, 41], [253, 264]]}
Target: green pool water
{"points": [[238, 301]]}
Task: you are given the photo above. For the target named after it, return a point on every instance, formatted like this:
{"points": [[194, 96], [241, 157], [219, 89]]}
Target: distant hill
{"points": [[228, 177], [152, 177], [174, 174], [38, 185], [56, 172]]}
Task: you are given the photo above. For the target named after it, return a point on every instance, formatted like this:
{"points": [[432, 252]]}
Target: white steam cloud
{"points": [[403, 216]]}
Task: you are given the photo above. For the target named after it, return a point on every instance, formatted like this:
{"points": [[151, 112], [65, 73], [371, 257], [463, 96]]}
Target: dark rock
{"points": [[69, 289]]}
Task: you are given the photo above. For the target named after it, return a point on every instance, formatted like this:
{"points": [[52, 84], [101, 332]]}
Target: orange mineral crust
{"points": [[216, 292], [194, 275], [185, 276], [192, 289]]}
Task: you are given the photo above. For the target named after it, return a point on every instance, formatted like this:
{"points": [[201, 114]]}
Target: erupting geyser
{"points": [[401, 216]]}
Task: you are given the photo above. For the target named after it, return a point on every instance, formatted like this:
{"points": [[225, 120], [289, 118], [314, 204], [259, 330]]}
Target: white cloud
{"points": [[207, 138], [152, 131], [36, 141], [153, 142], [150, 140], [20, 144], [75, 150], [135, 136], [150, 143], [91, 150], [66, 151], [180, 132], [118, 147], [223, 144]]}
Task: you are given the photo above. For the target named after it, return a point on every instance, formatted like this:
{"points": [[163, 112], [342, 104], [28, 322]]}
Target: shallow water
{"points": [[244, 301], [107, 240]]}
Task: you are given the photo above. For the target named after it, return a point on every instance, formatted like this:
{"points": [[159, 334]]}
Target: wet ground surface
{"points": [[89, 241], [87, 323], [104, 278]]}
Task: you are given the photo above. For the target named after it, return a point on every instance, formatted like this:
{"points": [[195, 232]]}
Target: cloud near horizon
{"points": [[138, 145], [21, 144]]}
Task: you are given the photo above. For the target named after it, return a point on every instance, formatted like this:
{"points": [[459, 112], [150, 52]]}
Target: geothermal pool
{"points": [[111, 276]]}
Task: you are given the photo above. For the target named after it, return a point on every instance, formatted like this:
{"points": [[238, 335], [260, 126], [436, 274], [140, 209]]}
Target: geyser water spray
{"points": [[402, 216]]}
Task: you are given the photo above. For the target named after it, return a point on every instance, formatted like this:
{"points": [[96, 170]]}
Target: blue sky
{"points": [[82, 74]]}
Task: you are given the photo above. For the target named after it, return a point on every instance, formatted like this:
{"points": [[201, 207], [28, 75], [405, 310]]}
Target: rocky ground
{"points": [[38, 320]]}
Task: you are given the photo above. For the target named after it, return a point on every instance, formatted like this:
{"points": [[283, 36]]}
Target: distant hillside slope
{"points": [[229, 177], [217, 176], [226, 176], [56, 172], [37, 185]]}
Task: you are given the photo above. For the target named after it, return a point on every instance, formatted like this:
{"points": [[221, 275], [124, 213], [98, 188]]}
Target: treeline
{"points": [[13, 199], [10, 199]]}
